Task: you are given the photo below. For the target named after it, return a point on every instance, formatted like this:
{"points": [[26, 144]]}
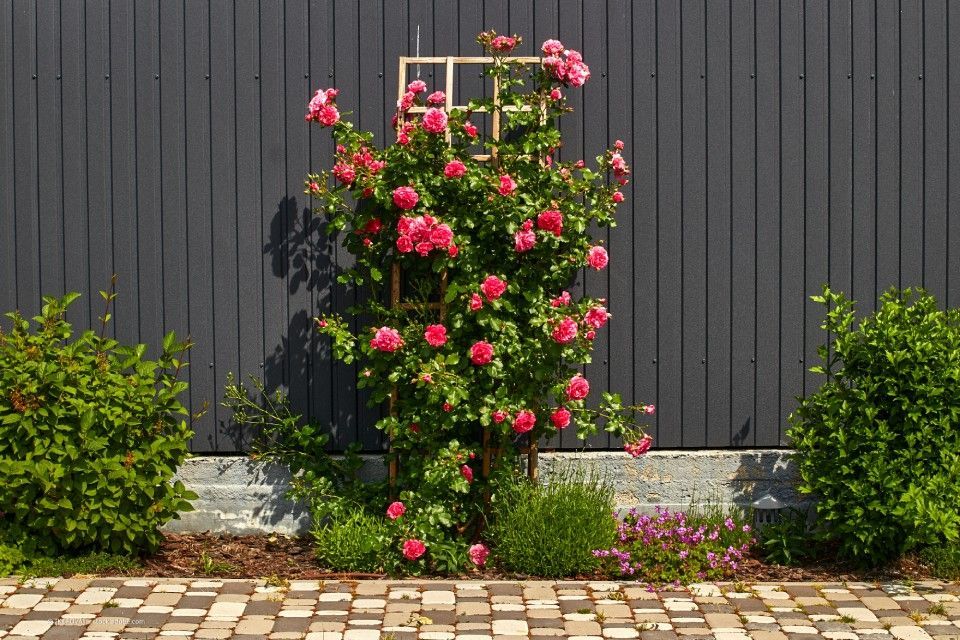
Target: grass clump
{"points": [[551, 530], [90, 564], [943, 560], [353, 541]]}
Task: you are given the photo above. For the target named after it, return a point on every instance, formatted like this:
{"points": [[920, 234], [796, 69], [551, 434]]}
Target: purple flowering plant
{"points": [[676, 547]]}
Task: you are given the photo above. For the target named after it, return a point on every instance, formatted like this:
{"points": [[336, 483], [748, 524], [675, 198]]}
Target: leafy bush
{"points": [[11, 558], [353, 541], [550, 530], [90, 437], [943, 560], [677, 547], [879, 443]]}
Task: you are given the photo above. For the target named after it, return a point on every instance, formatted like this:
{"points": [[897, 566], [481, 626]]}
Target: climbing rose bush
{"points": [[508, 238]]}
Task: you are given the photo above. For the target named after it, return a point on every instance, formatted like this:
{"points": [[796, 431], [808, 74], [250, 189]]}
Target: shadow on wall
{"points": [[305, 263]]}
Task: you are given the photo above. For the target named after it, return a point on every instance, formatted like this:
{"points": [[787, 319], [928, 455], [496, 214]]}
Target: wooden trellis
{"points": [[450, 63]]}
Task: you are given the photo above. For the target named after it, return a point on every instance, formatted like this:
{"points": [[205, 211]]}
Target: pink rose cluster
{"points": [[478, 554], [424, 234], [503, 44], [565, 65], [386, 339], [525, 238], [413, 549], [322, 107]]}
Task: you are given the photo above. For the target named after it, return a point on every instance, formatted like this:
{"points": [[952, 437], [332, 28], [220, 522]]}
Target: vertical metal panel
{"points": [[669, 224], [8, 240], [864, 115], [148, 194], [935, 148], [49, 153], [774, 146], [718, 229], [693, 241], [887, 146], [742, 425], [204, 387], [596, 139], [816, 172], [792, 135], [768, 223]]}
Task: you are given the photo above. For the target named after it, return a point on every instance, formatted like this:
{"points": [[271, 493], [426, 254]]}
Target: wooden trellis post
{"points": [[450, 62]]}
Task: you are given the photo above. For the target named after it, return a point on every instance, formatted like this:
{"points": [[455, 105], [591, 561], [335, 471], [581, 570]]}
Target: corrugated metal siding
{"points": [[775, 146]]}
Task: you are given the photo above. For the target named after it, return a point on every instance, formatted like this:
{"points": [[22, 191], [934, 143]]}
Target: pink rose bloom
{"points": [[551, 220], [640, 447], [328, 115], [560, 418], [413, 549], [467, 472], [318, 100], [454, 169], [555, 94], [649, 409], [525, 238], [618, 145], [453, 251], [597, 257], [441, 236], [481, 353], [403, 139], [437, 97], [386, 339], [617, 197], [434, 120], [590, 335], [552, 47], [476, 302], [435, 335], [424, 248], [405, 198], [556, 67], [417, 86], [577, 388], [561, 301], [499, 416], [596, 317], [565, 331], [344, 173], [395, 510], [619, 165], [427, 378], [404, 244], [503, 44], [577, 73], [524, 421], [470, 129], [507, 185], [493, 287], [478, 554], [447, 407]]}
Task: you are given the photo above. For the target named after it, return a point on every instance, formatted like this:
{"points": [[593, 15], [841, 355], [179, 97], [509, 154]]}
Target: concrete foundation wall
{"points": [[237, 495]]}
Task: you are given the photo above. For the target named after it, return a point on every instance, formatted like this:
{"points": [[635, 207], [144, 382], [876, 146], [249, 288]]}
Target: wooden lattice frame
{"points": [[450, 63]]}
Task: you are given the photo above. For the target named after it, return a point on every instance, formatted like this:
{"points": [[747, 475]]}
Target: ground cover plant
{"points": [[91, 434], [551, 529], [677, 547], [878, 445], [499, 244]]}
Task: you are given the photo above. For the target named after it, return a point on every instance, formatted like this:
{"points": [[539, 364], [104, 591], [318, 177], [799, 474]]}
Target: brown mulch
{"points": [[261, 556]]}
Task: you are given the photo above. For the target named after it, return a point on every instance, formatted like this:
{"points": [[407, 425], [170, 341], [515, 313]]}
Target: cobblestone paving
{"points": [[473, 610]]}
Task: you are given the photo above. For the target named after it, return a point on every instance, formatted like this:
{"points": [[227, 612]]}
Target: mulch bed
{"points": [[261, 556]]}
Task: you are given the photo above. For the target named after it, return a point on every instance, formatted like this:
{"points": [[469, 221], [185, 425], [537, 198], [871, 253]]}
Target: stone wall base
{"points": [[239, 496]]}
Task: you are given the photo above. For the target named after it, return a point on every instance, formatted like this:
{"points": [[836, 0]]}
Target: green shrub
{"points": [[943, 560], [11, 559], [788, 541], [90, 437], [87, 564], [879, 443], [551, 530], [353, 541]]}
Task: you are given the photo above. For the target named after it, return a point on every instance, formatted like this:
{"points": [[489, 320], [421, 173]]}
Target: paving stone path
{"points": [[472, 610]]}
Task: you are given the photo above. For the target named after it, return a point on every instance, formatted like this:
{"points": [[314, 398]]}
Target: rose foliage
{"points": [[509, 237]]}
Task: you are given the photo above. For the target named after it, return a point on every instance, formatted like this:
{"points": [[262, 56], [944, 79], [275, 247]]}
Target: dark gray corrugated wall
{"points": [[775, 146]]}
